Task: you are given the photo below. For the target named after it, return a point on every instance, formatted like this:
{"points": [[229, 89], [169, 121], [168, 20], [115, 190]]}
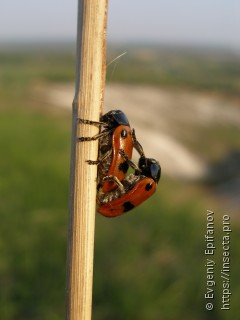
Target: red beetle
{"points": [[115, 135], [133, 190]]}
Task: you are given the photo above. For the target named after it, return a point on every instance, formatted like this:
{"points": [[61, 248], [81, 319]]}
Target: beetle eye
{"points": [[124, 133], [155, 170]]}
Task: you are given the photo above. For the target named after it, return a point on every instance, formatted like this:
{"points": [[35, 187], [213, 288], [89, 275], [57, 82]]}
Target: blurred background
{"points": [[179, 83]]}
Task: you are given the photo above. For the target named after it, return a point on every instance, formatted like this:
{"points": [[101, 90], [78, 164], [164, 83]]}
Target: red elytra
{"points": [[121, 140], [134, 189], [141, 191]]}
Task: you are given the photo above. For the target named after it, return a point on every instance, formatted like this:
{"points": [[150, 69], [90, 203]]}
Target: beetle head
{"points": [[114, 118], [150, 168]]}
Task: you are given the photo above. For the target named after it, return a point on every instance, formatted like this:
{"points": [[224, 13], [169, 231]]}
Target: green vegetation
{"points": [[210, 70], [33, 206], [149, 264]]}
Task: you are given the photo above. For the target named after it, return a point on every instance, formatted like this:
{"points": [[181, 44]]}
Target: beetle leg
{"points": [[99, 160], [93, 162], [90, 122], [137, 144], [130, 163], [106, 155], [116, 180], [96, 137]]}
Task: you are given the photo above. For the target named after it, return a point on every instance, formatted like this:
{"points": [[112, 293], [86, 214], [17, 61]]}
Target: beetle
{"points": [[115, 135], [132, 191]]}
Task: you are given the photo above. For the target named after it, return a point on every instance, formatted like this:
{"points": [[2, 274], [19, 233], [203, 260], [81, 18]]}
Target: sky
{"points": [[191, 22]]}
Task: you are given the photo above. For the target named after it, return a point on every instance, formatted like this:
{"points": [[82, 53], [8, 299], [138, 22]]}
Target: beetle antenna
{"points": [[137, 144]]}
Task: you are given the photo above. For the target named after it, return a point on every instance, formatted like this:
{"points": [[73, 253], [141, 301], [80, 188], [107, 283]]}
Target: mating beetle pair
{"points": [[117, 193]]}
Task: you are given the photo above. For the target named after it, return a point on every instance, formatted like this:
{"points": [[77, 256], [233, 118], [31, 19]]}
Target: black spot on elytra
{"points": [[148, 186], [128, 206], [123, 167], [124, 133]]}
